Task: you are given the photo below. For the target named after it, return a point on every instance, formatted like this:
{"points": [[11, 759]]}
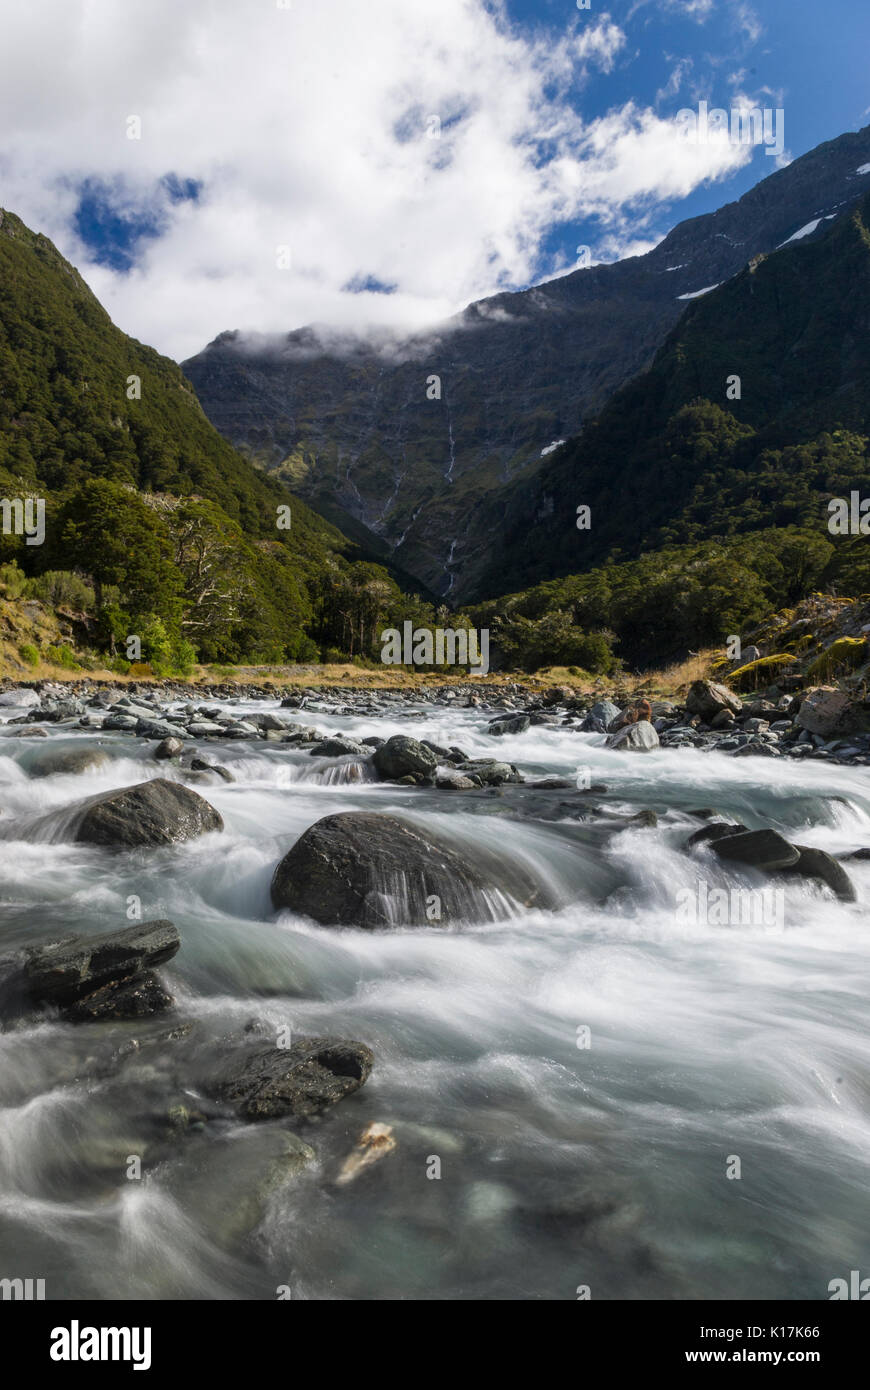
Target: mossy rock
{"points": [[747, 677], [846, 653]]}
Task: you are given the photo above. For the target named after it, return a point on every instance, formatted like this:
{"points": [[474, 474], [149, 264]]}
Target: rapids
{"points": [[561, 1164]]}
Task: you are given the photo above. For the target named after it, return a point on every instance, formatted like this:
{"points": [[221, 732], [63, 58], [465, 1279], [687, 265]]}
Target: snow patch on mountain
{"points": [[807, 230], [801, 232], [696, 294], [550, 447]]}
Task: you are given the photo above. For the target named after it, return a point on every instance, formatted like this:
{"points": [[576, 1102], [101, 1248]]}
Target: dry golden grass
{"points": [[671, 681], [668, 680]]}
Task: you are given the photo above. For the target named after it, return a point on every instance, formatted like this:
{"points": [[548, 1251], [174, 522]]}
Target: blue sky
{"points": [[384, 164], [815, 54]]}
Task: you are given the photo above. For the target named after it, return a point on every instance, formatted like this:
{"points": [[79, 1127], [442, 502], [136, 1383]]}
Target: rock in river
{"points": [[509, 724], [298, 1080], [830, 712], [759, 849], [104, 976], [365, 869], [634, 738], [815, 863], [401, 756], [158, 812], [68, 761], [141, 996]]}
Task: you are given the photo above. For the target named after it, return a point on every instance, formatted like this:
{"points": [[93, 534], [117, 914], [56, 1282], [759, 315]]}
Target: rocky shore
{"points": [[814, 722]]}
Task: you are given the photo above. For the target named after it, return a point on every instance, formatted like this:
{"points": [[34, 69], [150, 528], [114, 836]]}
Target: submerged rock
{"points": [[66, 761], [298, 1080], [229, 1183], [200, 765], [714, 832], [158, 812], [375, 1142]]}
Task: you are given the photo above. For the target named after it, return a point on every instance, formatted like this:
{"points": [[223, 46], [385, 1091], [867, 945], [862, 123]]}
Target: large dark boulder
{"points": [[402, 756], [158, 812], [299, 1080], [365, 869]]}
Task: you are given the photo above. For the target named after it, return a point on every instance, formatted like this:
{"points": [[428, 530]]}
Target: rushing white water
{"points": [[561, 1164]]}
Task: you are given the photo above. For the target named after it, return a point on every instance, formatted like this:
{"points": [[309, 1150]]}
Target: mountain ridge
{"points": [[519, 371]]}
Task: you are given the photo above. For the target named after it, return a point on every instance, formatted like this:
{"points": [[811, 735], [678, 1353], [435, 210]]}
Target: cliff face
{"points": [[357, 428]]}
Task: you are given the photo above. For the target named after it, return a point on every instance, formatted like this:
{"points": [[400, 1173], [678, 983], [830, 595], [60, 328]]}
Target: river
{"points": [[585, 1075]]}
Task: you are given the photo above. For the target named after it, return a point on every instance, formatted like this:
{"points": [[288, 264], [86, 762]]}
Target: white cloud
{"points": [[748, 23], [678, 75], [307, 127]]}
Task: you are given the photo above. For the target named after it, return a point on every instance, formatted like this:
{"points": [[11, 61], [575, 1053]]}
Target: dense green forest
{"points": [[708, 478], [654, 609]]}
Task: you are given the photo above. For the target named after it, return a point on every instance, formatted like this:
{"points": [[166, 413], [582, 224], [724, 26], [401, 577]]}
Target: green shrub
{"points": [[29, 653], [183, 657], [62, 656], [156, 645], [62, 589], [12, 581]]}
